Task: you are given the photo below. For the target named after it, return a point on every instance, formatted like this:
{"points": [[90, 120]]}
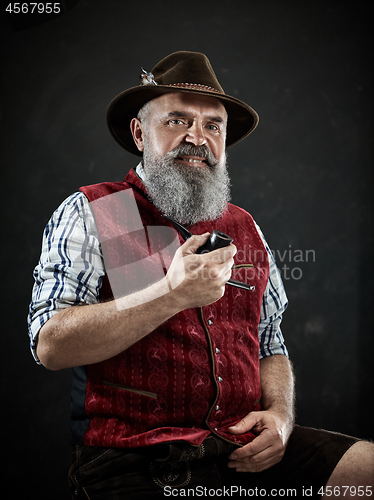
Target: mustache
{"points": [[189, 149]]}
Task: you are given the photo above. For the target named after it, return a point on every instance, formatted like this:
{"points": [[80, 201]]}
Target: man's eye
{"points": [[212, 127], [176, 122]]}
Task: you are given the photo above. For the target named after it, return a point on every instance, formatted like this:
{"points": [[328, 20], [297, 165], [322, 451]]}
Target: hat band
{"points": [[193, 86]]}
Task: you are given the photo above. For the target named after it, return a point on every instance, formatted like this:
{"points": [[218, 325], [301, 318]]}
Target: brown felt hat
{"points": [[178, 72]]}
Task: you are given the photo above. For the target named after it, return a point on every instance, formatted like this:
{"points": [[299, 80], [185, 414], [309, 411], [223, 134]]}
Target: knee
{"points": [[356, 467]]}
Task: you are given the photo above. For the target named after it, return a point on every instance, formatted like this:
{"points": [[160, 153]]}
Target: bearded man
{"points": [[181, 377]]}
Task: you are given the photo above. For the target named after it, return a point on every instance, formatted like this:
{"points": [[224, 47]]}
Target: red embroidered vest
{"points": [[196, 374]]}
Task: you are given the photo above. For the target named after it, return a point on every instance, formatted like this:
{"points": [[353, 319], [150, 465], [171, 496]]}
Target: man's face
{"points": [[185, 118], [182, 137]]}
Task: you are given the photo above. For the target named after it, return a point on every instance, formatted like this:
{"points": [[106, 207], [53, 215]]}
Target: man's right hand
{"points": [[77, 336], [199, 279]]}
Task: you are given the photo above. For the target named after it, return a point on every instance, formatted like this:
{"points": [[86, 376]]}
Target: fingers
{"points": [[202, 276], [266, 450], [216, 264], [197, 240], [257, 462], [246, 424], [222, 255], [263, 452], [255, 447], [192, 244]]}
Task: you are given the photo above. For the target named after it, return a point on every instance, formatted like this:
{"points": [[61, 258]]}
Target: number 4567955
{"points": [[348, 491], [33, 7]]}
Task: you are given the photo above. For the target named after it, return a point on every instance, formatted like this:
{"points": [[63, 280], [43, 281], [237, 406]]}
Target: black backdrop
{"points": [[305, 175]]}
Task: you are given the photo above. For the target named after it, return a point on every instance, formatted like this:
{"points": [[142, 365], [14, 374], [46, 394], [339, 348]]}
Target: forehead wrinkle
{"points": [[178, 114]]}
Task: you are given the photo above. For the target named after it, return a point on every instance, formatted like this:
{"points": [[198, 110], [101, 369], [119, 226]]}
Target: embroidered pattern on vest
{"points": [[196, 374]]}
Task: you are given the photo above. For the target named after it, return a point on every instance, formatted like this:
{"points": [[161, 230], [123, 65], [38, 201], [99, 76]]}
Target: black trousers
{"points": [[180, 470]]}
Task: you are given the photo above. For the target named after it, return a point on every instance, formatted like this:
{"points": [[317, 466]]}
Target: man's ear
{"points": [[137, 133]]}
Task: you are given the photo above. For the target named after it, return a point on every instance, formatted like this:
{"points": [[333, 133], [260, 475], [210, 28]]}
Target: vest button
{"points": [[220, 379], [210, 322], [217, 350], [215, 428], [217, 407]]}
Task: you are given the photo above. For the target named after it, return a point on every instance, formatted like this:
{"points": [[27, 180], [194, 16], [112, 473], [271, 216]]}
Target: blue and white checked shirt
{"points": [[71, 270]]}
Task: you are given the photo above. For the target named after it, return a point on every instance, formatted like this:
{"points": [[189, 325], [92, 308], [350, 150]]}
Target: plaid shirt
{"points": [[71, 270]]}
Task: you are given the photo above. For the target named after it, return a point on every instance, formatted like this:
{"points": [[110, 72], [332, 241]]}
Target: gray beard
{"points": [[187, 194]]}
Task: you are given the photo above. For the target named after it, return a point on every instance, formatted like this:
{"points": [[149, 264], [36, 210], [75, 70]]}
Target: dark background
{"points": [[305, 174]]}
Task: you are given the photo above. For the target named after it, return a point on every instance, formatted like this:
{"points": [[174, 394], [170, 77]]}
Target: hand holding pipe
{"points": [[216, 240]]}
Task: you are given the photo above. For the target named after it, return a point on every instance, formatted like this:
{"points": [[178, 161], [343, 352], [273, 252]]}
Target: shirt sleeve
{"points": [[274, 303], [71, 267]]}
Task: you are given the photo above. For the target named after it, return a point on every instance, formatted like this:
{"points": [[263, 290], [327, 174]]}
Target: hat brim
{"points": [[242, 119]]}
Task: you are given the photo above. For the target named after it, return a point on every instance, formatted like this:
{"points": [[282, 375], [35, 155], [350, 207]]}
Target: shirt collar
{"points": [[140, 171]]}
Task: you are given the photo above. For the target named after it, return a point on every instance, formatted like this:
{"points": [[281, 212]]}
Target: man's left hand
{"points": [[268, 448]]}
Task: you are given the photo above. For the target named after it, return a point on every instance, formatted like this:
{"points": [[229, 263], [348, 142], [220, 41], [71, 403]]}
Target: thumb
{"points": [[246, 424], [194, 242]]}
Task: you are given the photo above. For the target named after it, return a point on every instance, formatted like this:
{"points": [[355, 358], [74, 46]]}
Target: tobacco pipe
{"points": [[216, 240]]}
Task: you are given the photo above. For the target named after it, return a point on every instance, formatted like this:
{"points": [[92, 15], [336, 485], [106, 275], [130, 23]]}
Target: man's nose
{"points": [[195, 134]]}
